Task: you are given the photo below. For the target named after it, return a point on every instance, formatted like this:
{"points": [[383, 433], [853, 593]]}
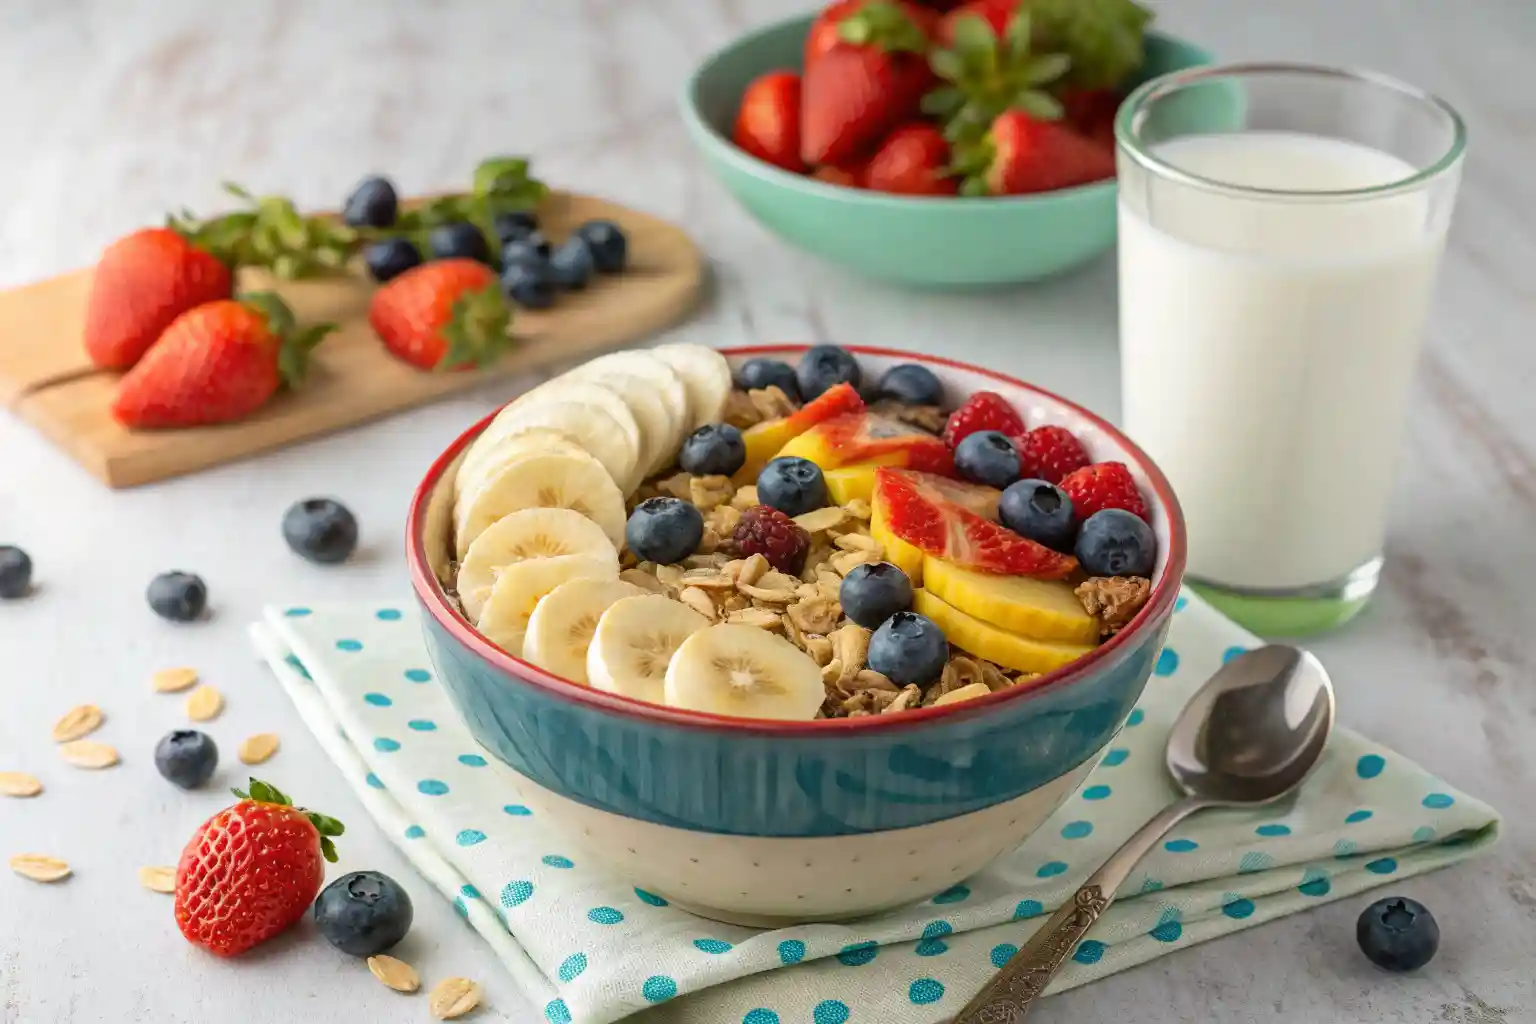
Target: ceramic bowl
{"points": [[765, 823], [928, 241]]}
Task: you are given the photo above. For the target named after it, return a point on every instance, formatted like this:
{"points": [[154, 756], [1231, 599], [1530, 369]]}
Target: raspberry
{"points": [[766, 531], [1049, 454], [985, 410], [1103, 485]]}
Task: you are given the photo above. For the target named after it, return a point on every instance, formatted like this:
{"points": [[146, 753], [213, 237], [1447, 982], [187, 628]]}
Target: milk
{"points": [[1268, 346]]}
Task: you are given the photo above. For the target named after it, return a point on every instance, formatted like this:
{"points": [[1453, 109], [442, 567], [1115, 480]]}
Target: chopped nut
{"points": [[708, 543], [858, 508], [679, 485], [752, 569], [831, 671], [698, 600], [869, 679], [740, 412], [671, 575], [844, 563], [762, 618], [820, 649], [710, 492], [766, 595], [771, 402], [815, 615], [641, 578], [1114, 599], [994, 677], [723, 520], [970, 691], [860, 542], [821, 519], [708, 579], [746, 497], [850, 645], [909, 696]]}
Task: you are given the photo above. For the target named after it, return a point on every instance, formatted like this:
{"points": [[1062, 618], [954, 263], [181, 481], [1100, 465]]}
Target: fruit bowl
{"points": [[764, 822], [941, 242]]}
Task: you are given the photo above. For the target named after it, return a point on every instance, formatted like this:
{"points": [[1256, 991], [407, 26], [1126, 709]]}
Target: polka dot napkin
{"points": [[589, 949]]}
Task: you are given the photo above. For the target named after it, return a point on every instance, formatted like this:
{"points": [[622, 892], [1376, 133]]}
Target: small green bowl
{"points": [[943, 242]]}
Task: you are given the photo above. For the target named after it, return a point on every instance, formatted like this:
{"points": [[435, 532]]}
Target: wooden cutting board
{"points": [[46, 379]]}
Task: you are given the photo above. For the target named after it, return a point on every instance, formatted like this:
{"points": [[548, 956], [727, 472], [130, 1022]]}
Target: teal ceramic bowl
{"points": [[935, 242]]}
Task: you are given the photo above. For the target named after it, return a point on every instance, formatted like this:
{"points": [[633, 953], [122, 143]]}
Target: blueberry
{"points": [[186, 757], [664, 530], [571, 265], [1040, 511], [15, 572], [822, 366], [363, 913], [514, 224], [178, 596], [1115, 542], [873, 592], [713, 449], [390, 258], [529, 283], [532, 246], [911, 384], [761, 373], [988, 457], [459, 240], [609, 246], [909, 648], [1398, 934], [320, 529], [372, 204], [792, 485]]}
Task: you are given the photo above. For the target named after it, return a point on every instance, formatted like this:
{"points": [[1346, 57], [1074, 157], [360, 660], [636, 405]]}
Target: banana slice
{"points": [[634, 642], [744, 672], [504, 619], [542, 481], [657, 375], [561, 627], [706, 376], [608, 433], [508, 449], [529, 533]]}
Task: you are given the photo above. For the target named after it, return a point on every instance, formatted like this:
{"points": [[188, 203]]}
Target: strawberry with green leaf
{"points": [[1105, 38], [913, 160], [443, 315], [1021, 153], [985, 74]]}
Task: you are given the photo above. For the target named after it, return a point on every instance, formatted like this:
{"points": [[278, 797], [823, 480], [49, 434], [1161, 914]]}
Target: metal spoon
{"points": [[1248, 738]]}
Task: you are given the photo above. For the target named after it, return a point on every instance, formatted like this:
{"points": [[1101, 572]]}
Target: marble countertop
{"points": [[113, 116]]}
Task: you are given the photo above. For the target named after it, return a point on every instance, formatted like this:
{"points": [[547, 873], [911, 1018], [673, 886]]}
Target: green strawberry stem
{"points": [[886, 25], [478, 331], [328, 827], [1106, 38], [985, 75], [294, 343]]}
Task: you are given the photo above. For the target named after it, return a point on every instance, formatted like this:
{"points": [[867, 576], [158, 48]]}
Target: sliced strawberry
{"points": [[835, 401], [984, 410], [1104, 485], [863, 437]]}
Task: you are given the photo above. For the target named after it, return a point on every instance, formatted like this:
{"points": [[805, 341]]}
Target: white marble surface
{"points": [[113, 112]]}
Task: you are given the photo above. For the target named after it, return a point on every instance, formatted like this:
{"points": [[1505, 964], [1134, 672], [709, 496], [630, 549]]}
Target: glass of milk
{"points": [[1280, 230]]}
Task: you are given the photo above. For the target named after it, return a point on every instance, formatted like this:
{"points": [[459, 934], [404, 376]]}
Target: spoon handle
{"points": [[1007, 998]]}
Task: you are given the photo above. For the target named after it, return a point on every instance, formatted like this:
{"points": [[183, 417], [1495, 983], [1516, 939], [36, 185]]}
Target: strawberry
{"points": [[1025, 154], [912, 161], [768, 121], [848, 177], [996, 13], [825, 32], [872, 80], [217, 363], [142, 282], [443, 315], [984, 410], [251, 871], [1049, 453], [1103, 485], [1092, 113], [988, 66]]}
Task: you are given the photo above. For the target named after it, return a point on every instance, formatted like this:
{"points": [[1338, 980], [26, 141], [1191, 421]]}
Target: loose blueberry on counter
{"points": [[322, 530], [178, 596], [459, 240], [792, 485], [664, 530], [873, 592], [571, 265], [1040, 511], [911, 384], [756, 374], [514, 224], [186, 757], [363, 913], [390, 258], [988, 457], [714, 449], [528, 283], [909, 648], [372, 204], [610, 248], [15, 572], [1114, 542], [532, 246], [824, 366], [1398, 934]]}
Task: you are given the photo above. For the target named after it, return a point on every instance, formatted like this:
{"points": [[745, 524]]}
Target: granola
{"points": [[1115, 600]]}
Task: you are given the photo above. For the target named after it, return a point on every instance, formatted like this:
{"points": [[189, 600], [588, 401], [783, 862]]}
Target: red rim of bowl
{"points": [[430, 592]]}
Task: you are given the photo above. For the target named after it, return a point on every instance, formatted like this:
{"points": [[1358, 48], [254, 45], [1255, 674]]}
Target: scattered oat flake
{"points": [[204, 704], [39, 867], [397, 974], [453, 997], [158, 879], [970, 691], [256, 749], [821, 519], [173, 680], [77, 722], [88, 754], [19, 784]]}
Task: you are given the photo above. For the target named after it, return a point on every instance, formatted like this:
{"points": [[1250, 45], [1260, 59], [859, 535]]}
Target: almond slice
{"points": [[19, 784], [88, 754], [204, 704], [453, 997], [39, 867], [397, 974], [821, 519], [173, 680], [77, 722], [257, 749], [158, 879]]}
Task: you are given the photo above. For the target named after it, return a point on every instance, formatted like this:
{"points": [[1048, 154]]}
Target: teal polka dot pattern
{"points": [[415, 832], [1232, 652], [954, 894], [385, 745], [1439, 801], [432, 787], [1167, 662], [714, 947], [1355, 817], [1181, 603], [472, 760], [658, 988], [1255, 860], [830, 1011], [1089, 951], [860, 954], [1271, 831], [1382, 866], [924, 991], [418, 675], [1077, 830], [651, 898], [1315, 883], [1370, 766], [1137, 716], [1344, 848], [1050, 869], [554, 860], [374, 781], [1115, 758], [1001, 954], [1237, 907], [1423, 834], [470, 891], [933, 943], [294, 663], [378, 700], [470, 837], [1097, 793], [422, 725], [1027, 909], [934, 929], [297, 613], [349, 645], [515, 894], [556, 1013], [791, 951], [931, 947], [516, 811], [387, 615], [760, 1016], [1181, 845], [572, 966], [459, 907], [1168, 931], [604, 915], [1150, 884]]}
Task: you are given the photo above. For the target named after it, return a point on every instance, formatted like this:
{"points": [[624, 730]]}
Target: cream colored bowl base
{"points": [[772, 882]]}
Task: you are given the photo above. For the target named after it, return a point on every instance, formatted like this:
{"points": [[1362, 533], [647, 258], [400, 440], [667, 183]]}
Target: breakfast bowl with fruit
{"points": [[787, 633], [969, 147]]}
